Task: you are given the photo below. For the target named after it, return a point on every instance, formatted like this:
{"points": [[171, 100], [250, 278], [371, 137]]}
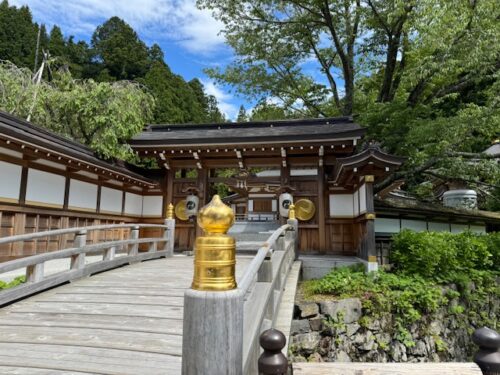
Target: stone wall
{"points": [[338, 331]]}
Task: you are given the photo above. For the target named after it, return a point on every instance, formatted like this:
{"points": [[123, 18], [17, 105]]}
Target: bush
{"points": [[440, 256]]}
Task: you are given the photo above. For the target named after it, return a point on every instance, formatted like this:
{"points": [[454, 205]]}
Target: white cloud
{"points": [[229, 109], [177, 20]]}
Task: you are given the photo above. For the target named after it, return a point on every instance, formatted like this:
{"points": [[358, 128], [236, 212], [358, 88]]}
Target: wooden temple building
{"points": [[49, 182]]}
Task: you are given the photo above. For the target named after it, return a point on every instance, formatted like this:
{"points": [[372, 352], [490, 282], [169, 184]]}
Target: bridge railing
{"points": [[222, 328], [114, 254]]}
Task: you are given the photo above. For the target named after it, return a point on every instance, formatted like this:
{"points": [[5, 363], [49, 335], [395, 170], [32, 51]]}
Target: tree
{"points": [[242, 115], [101, 115], [57, 44], [119, 49]]}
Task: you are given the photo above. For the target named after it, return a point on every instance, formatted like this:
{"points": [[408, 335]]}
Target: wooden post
{"points": [[272, 361], [321, 209], [371, 251], [169, 235], [34, 273], [80, 241], [212, 336], [134, 247]]}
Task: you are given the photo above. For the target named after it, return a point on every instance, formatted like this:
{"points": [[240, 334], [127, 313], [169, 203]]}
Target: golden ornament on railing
{"points": [[170, 211], [291, 211], [215, 252]]}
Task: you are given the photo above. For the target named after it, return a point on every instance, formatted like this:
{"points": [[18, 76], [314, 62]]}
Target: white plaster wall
{"points": [[355, 203], [111, 200], [341, 205], [152, 205], [82, 195], [44, 187], [458, 228], [133, 204], [362, 199], [415, 225], [10, 183], [478, 228], [386, 225], [274, 205], [250, 205], [438, 227]]}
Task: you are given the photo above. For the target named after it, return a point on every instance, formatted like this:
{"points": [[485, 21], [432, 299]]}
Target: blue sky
{"points": [[188, 36]]}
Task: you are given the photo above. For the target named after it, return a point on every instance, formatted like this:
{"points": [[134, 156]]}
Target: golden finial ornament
{"points": [[291, 211], [215, 252], [170, 211]]}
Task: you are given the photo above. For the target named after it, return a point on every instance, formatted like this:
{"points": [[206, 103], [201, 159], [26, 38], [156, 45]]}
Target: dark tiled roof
{"points": [[24, 131], [249, 132], [415, 206]]}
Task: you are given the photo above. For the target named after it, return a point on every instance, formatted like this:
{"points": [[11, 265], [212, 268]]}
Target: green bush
{"points": [[441, 255], [18, 280]]}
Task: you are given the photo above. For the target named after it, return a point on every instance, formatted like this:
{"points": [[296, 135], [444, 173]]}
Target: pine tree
{"points": [[242, 115]]}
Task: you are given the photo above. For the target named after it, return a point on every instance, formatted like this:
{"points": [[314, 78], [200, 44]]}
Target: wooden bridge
{"points": [[128, 320]]}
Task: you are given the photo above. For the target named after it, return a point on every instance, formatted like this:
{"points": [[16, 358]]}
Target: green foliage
{"points": [[441, 256], [18, 280], [101, 115]]}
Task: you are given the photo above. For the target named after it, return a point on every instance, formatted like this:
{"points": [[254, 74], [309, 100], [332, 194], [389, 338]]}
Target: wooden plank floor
{"points": [[124, 321]]}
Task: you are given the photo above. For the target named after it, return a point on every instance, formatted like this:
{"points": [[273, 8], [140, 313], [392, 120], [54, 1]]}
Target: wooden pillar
{"points": [[169, 187], [202, 185], [321, 208], [370, 251], [284, 181]]}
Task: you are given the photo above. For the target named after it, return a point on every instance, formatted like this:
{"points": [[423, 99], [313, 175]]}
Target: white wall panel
{"points": [[478, 228], [10, 183], [415, 225], [386, 225], [82, 195], [362, 199], [341, 205], [250, 205], [274, 205], [458, 228], [133, 204], [355, 203], [152, 205], [111, 200], [438, 227], [44, 187]]}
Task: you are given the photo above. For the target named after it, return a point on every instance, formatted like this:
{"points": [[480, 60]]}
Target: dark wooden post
{"points": [[371, 251], [272, 361], [488, 356], [321, 207]]}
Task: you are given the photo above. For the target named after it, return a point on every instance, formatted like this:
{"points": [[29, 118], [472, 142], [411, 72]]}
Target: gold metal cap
{"points": [[170, 211], [215, 217], [291, 211]]}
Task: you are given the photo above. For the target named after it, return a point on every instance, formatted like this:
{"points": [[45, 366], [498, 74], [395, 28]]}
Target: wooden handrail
{"points": [[58, 232], [37, 281]]}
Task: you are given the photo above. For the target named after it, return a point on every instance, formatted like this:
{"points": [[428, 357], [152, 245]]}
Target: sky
{"points": [[189, 37]]}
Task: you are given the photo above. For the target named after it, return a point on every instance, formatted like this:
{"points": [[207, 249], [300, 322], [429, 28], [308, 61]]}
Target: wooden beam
{"points": [[321, 209]]}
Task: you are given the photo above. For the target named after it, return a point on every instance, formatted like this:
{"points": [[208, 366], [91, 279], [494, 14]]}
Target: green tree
{"points": [[119, 49], [101, 115], [57, 44], [242, 115]]}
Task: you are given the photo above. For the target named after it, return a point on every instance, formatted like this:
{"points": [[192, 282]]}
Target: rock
{"points": [[316, 324], [349, 309], [383, 340], [430, 344], [351, 329], [308, 309], [373, 325], [419, 349], [324, 345], [365, 341], [315, 357], [300, 326], [436, 327], [307, 342], [342, 357], [398, 352]]}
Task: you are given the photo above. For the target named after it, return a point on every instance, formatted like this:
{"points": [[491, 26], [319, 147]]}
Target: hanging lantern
{"points": [[192, 204], [285, 201]]}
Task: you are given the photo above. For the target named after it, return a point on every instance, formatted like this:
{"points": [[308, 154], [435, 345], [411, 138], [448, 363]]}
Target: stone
{"points": [[365, 341], [307, 342], [308, 309], [349, 309], [316, 323], [398, 352], [342, 357], [419, 349], [383, 340], [351, 329], [436, 327], [299, 326], [315, 357], [374, 325]]}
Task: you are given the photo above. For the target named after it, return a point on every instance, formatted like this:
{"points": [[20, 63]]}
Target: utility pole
{"points": [[37, 48]]}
